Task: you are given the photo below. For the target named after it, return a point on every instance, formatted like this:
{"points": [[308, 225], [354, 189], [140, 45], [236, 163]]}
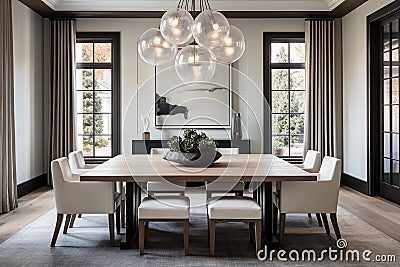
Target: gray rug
{"points": [[87, 243]]}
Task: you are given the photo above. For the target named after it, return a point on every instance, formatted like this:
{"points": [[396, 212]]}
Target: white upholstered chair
{"points": [[154, 187], [74, 197], [79, 166], [319, 196], [234, 209], [312, 162], [224, 187], [164, 208]]}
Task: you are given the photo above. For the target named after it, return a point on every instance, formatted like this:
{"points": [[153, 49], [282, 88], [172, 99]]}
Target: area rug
{"points": [[87, 244]]}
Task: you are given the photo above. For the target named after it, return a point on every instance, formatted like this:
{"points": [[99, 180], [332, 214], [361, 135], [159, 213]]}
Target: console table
{"points": [[144, 146]]}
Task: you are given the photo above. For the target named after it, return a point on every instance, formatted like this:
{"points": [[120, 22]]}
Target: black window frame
{"points": [[114, 39], [268, 38]]}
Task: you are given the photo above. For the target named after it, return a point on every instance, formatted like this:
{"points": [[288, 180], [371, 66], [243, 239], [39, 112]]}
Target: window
{"points": [[97, 94], [284, 88]]}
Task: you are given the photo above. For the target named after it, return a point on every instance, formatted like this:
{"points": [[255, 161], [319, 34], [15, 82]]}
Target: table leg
{"points": [[133, 198], [263, 195]]}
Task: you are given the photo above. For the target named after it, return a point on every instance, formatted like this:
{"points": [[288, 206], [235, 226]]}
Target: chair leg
{"points": [[57, 229], [325, 220], [309, 215], [111, 228], [66, 223], [212, 237], [80, 215], [335, 225], [251, 232], [186, 236], [71, 224], [123, 213], [318, 215], [118, 219], [282, 229], [141, 237], [258, 235], [275, 219]]}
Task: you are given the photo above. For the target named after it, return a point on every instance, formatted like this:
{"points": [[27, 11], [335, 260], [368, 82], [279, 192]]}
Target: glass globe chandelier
{"points": [[214, 40]]}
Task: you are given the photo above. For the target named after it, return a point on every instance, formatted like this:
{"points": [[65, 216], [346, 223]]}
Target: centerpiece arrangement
{"points": [[194, 149]]}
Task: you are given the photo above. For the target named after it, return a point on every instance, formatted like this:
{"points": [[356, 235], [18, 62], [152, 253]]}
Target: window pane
{"points": [[84, 101], [102, 52], [84, 124], [395, 91], [279, 53], [386, 145], [395, 173], [386, 170], [395, 118], [103, 124], [297, 100], [280, 124], [386, 116], [280, 145], [103, 146], [386, 91], [103, 79], [84, 52], [296, 145], [395, 34], [386, 37], [280, 102], [386, 63], [298, 79], [395, 146], [85, 144], [297, 124], [84, 79], [395, 63], [103, 102], [280, 79], [297, 53]]}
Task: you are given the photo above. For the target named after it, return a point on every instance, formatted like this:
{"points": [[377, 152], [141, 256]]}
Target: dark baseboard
{"points": [[354, 183], [31, 185]]}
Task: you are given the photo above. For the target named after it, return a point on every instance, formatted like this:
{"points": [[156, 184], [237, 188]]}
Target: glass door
{"points": [[390, 132]]}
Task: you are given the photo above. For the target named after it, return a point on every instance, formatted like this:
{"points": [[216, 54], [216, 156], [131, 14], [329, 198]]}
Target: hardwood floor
{"points": [[377, 212]]}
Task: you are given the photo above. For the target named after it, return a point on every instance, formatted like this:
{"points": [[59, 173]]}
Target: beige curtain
{"points": [[61, 95], [320, 115], [8, 181]]}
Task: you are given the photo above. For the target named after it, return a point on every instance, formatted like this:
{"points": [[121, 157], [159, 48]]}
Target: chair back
{"points": [[312, 161], [331, 170], [159, 151], [76, 160], [61, 173], [228, 151]]}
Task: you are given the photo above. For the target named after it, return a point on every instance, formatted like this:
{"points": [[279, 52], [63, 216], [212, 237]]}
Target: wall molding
{"points": [[31, 185], [339, 11], [354, 183]]}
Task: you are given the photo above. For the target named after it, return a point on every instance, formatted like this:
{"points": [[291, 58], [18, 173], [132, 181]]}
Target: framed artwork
{"points": [[194, 105]]}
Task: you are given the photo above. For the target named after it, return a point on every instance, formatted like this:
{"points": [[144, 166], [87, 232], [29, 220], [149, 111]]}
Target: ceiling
{"points": [[226, 5]]}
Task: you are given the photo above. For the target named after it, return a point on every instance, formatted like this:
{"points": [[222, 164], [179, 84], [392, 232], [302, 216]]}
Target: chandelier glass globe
{"points": [[195, 64], [210, 29], [233, 47], [176, 26], [154, 49]]}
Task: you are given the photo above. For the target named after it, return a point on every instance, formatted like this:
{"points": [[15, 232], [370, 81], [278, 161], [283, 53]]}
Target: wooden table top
{"points": [[229, 168]]}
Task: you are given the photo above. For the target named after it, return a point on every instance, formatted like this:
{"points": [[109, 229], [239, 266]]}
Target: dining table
{"points": [[260, 170]]}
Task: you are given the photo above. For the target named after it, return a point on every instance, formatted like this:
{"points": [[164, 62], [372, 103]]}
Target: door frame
{"points": [[374, 94]]}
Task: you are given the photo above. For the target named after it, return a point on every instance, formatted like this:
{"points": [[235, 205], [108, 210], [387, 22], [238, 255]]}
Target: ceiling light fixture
{"points": [[214, 40]]}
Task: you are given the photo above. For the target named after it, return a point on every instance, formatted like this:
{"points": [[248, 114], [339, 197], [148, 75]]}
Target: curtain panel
{"points": [[8, 181], [61, 95], [320, 114]]}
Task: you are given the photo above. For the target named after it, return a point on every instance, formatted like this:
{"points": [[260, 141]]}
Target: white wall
{"points": [[137, 102], [355, 88], [28, 80]]}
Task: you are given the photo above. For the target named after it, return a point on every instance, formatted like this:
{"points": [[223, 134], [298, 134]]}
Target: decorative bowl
{"points": [[201, 159]]}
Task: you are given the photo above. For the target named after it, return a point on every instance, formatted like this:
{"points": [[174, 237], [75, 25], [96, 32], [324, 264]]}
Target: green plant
{"points": [[192, 142]]}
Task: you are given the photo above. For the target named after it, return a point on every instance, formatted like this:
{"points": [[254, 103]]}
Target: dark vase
{"points": [[236, 127]]}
